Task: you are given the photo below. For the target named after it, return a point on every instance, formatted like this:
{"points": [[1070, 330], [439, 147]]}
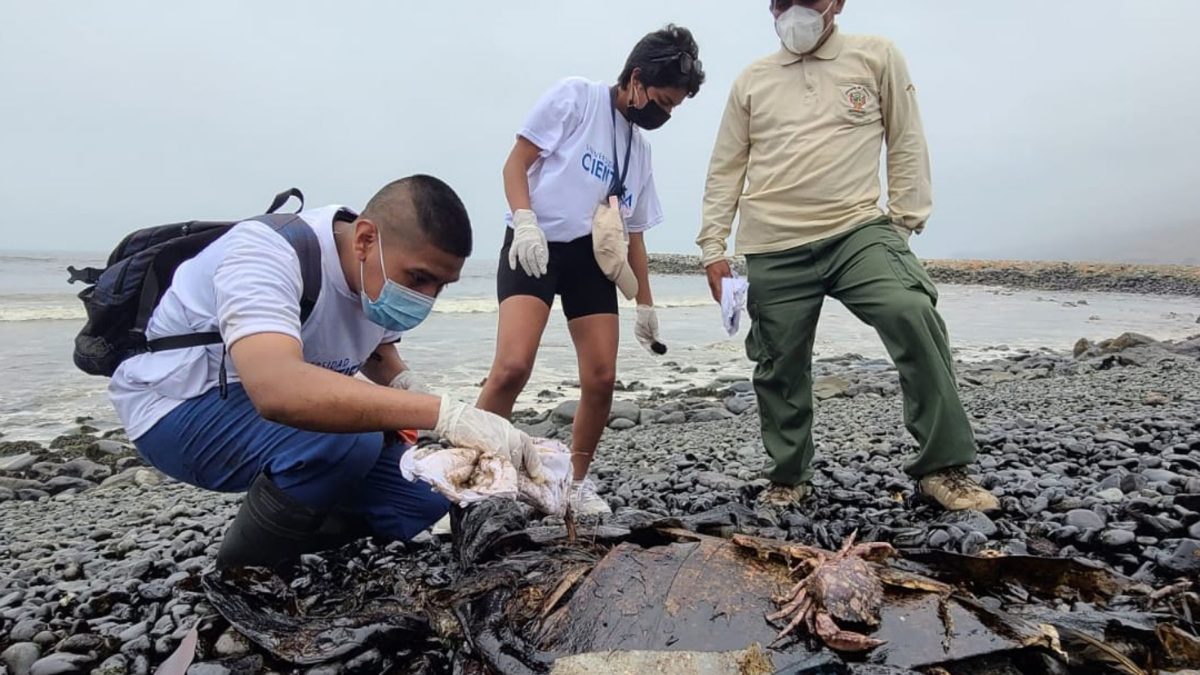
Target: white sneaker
{"points": [[441, 527], [585, 501]]}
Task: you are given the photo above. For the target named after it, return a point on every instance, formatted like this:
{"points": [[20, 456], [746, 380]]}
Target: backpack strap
{"points": [[283, 197], [300, 235], [292, 228]]}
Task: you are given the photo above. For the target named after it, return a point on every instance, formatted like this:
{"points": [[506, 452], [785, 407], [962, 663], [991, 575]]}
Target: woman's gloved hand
{"points": [[529, 247]]}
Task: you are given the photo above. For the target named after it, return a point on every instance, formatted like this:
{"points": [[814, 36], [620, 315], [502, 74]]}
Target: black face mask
{"points": [[650, 117]]}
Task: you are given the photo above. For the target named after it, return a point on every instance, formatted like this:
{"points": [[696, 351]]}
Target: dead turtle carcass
{"points": [[518, 598]]}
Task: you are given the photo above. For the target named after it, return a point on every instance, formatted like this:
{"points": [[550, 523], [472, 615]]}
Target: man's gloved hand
{"points": [[646, 330], [469, 427], [408, 381], [529, 246]]}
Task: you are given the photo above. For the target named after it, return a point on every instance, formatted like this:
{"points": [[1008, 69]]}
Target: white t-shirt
{"points": [[573, 126], [245, 283]]}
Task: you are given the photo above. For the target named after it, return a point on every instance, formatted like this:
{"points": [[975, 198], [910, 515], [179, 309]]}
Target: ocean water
{"points": [[42, 393]]}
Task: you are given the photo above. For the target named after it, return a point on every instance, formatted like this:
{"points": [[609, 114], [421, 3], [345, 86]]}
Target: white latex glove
{"points": [[408, 381], [904, 231], [529, 246], [646, 328], [469, 427]]}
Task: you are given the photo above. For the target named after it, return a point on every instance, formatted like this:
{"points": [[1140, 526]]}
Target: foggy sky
{"points": [[1057, 129]]}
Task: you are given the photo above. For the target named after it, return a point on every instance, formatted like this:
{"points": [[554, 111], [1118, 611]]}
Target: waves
{"points": [[57, 307], [40, 307]]}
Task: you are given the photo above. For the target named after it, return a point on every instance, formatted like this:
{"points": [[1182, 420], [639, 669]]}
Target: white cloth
{"points": [[467, 476], [572, 124], [245, 283], [733, 301]]}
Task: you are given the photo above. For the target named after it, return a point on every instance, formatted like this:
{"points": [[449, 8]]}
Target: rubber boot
{"points": [[341, 527], [270, 530]]}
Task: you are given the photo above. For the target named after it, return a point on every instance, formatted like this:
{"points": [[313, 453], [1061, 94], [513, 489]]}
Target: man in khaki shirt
{"points": [[798, 157]]}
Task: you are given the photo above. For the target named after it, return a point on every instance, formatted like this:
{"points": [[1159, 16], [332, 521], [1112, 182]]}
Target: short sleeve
{"points": [[557, 113], [257, 285], [648, 211]]}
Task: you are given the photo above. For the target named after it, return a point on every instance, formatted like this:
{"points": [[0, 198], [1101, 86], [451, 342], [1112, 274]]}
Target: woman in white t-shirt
{"points": [[580, 146]]}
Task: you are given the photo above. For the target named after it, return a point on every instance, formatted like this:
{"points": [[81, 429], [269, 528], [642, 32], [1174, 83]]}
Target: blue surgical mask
{"points": [[398, 308]]}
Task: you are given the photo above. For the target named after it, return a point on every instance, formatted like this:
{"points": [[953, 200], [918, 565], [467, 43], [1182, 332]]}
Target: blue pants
{"points": [[223, 445]]}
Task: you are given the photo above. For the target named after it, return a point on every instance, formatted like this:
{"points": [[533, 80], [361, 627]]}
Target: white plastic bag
{"points": [[734, 291], [467, 476]]}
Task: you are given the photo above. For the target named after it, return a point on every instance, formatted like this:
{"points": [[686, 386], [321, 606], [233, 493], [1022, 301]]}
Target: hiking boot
{"points": [[957, 491], [781, 496], [585, 501]]}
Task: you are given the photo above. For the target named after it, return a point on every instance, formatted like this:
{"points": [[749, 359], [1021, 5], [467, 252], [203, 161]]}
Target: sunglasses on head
{"points": [[687, 62], [785, 5]]}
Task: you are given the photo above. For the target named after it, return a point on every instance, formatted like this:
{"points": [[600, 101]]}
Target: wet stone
{"points": [[81, 643], [712, 415], [624, 410], [939, 538], [970, 521], [134, 632], [63, 664], [61, 483], [1133, 482], [1161, 526], [973, 543], [20, 657], [1184, 559], [18, 463], [116, 664], [621, 424], [1161, 476], [138, 645], [565, 412], [25, 630], [673, 418], [739, 404], [1084, 519], [155, 590], [1116, 539]]}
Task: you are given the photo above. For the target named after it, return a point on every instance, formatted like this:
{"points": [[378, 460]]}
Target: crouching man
{"points": [[274, 410]]}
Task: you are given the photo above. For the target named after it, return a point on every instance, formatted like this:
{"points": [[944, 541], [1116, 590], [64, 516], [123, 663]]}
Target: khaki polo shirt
{"points": [[798, 151]]}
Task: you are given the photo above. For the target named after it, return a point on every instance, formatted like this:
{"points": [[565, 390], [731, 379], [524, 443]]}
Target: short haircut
{"points": [[428, 205], [667, 58]]}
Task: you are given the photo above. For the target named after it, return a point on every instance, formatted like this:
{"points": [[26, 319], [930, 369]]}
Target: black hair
{"points": [[429, 204], [667, 58]]}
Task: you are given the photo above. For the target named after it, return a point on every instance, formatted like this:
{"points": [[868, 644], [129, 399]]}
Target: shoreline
{"points": [[1048, 276], [1094, 455]]}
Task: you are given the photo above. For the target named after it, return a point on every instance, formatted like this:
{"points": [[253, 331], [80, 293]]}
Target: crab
{"points": [[842, 586]]}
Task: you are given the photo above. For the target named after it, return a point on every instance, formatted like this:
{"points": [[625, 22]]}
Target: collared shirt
{"points": [[798, 151]]}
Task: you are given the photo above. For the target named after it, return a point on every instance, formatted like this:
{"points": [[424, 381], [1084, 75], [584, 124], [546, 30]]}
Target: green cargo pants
{"points": [[874, 274]]}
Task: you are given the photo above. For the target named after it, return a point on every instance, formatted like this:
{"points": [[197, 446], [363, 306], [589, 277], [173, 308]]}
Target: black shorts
{"points": [[571, 273]]}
